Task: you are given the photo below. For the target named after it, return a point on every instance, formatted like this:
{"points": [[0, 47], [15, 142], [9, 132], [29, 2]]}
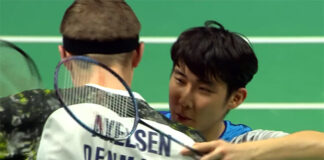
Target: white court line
{"points": [[293, 106], [167, 40], [32, 39]]}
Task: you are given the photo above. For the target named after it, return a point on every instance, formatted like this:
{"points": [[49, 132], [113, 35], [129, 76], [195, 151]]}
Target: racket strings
{"points": [[122, 105], [78, 91], [75, 85], [18, 71]]}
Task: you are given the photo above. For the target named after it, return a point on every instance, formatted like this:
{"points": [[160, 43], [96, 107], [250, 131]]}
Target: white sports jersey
{"points": [[65, 139]]}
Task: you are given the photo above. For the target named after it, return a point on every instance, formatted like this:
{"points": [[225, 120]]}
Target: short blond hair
{"points": [[100, 20]]}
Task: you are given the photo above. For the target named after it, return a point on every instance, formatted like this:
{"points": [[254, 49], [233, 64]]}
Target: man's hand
{"points": [[221, 150]]}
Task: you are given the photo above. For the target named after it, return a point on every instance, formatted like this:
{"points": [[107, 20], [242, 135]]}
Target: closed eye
{"points": [[206, 90], [179, 80], [179, 77]]}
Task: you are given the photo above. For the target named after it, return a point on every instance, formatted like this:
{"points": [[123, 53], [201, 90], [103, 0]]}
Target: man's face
{"points": [[194, 102]]}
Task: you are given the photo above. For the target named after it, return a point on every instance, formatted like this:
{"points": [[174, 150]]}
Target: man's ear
{"points": [[236, 98], [137, 56], [63, 52]]}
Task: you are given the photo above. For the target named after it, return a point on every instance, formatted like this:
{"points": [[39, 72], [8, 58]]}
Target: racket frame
{"points": [[137, 119], [31, 64]]}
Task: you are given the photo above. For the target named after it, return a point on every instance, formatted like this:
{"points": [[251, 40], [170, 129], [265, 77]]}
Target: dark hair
{"points": [[216, 53]]}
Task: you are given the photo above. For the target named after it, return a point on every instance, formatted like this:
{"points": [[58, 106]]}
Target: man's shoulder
{"points": [[233, 130], [28, 107], [31, 99], [22, 117]]}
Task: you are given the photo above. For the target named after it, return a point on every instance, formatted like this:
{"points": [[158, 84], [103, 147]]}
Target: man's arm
{"points": [[304, 145]]}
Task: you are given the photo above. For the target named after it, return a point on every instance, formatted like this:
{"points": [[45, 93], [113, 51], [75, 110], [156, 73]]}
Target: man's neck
{"points": [[107, 80], [214, 132]]}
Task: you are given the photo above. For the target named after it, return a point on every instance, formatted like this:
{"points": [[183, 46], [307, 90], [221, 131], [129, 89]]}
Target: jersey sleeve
{"points": [[258, 134], [22, 117]]}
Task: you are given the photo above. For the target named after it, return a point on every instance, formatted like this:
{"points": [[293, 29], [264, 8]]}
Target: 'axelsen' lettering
{"points": [[111, 128], [141, 140]]}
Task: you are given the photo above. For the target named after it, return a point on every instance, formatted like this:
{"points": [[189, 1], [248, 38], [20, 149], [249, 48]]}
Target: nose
{"points": [[186, 98]]}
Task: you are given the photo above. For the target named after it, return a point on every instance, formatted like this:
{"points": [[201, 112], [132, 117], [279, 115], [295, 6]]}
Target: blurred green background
{"points": [[289, 73]]}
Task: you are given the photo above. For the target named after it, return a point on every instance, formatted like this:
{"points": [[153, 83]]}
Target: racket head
{"points": [[18, 71], [104, 114]]}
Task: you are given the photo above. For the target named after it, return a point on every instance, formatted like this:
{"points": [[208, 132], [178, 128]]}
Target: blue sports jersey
{"points": [[230, 131], [166, 114], [233, 130]]}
